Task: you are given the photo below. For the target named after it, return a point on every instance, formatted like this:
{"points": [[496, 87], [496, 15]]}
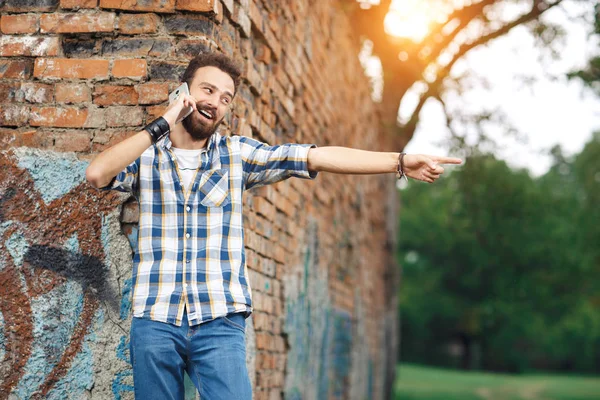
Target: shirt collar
{"points": [[166, 142]]}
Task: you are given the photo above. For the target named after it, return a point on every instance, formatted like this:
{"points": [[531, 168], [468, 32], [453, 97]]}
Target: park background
{"points": [[363, 287]]}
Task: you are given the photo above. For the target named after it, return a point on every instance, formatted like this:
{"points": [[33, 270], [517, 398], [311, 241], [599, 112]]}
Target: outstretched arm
{"points": [[343, 160]]}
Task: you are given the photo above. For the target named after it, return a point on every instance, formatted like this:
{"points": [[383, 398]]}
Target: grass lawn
{"points": [[415, 382]]}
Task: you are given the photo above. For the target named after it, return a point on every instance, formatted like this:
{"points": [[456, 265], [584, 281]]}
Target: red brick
{"points": [[10, 138], [256, 17], [164, 6], [134, 69], [75, 4], [32, 92], [153, 93], [26, 23], [123, 116], [264, 341], [130, 24], [106, 138], [13, 115], [77, 141], [77, 23], [67, 117], [72, 93], [263, 54], [67, 68], [241, 18], [35, 46], [18, 69], [154, 112], [9, 91], [265, 360], [197, 5], [264, 208], [113, 95]]}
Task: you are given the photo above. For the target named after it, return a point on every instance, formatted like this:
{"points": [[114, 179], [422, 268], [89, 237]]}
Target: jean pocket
{"points": [[236, 320], [214, 188]]}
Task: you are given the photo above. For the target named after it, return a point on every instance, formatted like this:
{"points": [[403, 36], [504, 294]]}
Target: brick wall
{"points": [[79, 76]]}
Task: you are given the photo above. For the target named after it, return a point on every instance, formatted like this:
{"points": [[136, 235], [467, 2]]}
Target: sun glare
{"points": [[410, 19]]}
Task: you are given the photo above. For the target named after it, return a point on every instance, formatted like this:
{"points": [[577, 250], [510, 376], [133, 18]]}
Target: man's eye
{"points": [[226, 100], [208, 90]]}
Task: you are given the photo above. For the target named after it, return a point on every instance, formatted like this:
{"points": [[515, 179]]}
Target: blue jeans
{"points": [[212, 353]]}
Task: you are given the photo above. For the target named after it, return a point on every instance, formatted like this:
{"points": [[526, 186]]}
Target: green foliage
{"points": [[424, 383], [502, 268]]}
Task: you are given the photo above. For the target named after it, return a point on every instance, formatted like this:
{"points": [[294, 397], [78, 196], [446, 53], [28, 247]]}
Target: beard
{"points": [[198, 128]]}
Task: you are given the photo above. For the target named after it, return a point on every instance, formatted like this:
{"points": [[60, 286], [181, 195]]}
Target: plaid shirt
{"points": [[190, 247]]}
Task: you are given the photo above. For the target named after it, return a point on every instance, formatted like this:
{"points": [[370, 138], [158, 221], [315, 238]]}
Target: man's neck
{"points": [[181, 139]]}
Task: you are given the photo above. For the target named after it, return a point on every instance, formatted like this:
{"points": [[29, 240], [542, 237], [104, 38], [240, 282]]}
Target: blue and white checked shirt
{"points": [[190, 247]]}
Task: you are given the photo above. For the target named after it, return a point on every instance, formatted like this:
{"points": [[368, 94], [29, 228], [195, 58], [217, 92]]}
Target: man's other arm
{"points": [[343, 160]]}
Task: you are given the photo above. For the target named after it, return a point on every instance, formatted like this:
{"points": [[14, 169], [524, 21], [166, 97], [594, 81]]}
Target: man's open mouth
{"points": [[206, 114]]}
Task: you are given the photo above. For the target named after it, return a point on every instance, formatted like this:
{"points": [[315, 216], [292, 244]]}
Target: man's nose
{"points": [[213, 99]]}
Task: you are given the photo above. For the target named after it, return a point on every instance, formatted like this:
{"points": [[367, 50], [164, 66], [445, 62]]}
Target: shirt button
{"points": [[187, 261], [185, 285], [188, 208], [187, 235]]}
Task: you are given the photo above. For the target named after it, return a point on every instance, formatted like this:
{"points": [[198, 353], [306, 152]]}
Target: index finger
{"points": [[447, 160]]}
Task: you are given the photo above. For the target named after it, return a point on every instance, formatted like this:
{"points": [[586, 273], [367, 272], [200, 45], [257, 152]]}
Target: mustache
{"points": [[211, 109]]}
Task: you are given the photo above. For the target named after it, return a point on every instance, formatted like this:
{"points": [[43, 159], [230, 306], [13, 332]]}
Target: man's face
{"points": [[213, 90]]}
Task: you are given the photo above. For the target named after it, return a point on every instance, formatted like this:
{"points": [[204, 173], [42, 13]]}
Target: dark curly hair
{"points": [[217, 60]]}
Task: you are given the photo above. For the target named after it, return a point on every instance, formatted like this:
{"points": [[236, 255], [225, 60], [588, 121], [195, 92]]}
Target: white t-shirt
{"points": [[188, 162]]}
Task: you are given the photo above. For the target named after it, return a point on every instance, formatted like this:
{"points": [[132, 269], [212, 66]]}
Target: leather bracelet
{"points": [[400, 172], [158, 129]]}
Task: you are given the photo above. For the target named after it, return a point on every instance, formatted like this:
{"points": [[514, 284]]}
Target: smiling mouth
{"points": [[206, 114]]}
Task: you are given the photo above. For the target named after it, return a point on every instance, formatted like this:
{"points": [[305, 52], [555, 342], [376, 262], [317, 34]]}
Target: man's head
{"points": [[213, 79]]}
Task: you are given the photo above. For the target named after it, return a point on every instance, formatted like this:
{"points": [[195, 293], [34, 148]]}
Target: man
{"points": [[191, 293]]}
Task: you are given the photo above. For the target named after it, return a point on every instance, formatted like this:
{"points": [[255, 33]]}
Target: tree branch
{"points": [[538, 8]]}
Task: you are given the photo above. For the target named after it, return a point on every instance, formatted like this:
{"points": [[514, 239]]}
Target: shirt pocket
{"points": [[214, 188]]}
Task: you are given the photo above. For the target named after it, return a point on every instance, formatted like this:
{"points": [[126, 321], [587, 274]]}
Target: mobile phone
{"points": [[175, 95]]}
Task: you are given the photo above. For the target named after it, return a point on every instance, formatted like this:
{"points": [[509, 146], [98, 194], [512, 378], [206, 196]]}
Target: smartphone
{"points": [[175, 95]]}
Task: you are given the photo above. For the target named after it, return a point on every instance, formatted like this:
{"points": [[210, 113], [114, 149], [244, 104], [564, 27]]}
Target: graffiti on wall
{"points": [[328, 355], [53, 275]]}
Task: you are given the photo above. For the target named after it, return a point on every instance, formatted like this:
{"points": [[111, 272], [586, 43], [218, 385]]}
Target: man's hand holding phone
{"points": [[181, 104]]}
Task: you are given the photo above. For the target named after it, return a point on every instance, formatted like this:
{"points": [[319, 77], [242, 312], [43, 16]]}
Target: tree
{"points": [[502, 265], [430, 60]]}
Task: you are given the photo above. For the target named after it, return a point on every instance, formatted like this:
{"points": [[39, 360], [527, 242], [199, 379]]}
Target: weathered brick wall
{"points": [[79, 76]]}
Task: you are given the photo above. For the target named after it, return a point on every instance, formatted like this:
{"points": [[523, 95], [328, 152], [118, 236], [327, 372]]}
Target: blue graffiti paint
{"points": [[17, 246], [123, 349], [54, 174], [120, 385], [123, 381], [79, 378], [307, 324], [341, 350], [2, 338], [126, 299], [72, 244], [133, 236], [54, 317]]}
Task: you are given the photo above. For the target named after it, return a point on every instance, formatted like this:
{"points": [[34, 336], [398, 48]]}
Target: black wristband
{"points": [[158, 129], [400, 172]]}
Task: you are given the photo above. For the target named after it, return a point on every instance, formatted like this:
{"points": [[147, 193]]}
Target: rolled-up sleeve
{"points": [[264, 164], [126, 180]]}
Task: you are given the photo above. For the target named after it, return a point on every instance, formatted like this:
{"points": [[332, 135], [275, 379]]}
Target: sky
{"points": [[550, 111]]}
